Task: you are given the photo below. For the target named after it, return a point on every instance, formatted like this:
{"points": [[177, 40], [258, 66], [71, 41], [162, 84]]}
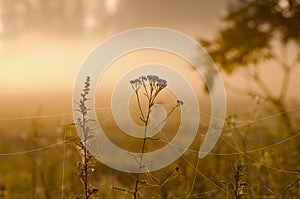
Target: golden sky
{"points": [[40, 55], [41, 51]]}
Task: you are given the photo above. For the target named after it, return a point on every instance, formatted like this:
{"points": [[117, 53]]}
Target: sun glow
{"points": [[111, 6]]}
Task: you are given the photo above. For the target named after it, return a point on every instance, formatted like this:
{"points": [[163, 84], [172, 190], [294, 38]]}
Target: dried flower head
{"points": [[180, 102], [136, 83]]}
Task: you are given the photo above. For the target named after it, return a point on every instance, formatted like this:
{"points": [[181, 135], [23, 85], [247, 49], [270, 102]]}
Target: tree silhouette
{"points": [[246, 40], [251, 27]]}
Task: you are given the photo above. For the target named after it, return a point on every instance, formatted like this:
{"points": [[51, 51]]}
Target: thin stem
{"points": [[236, 189], [278, 102], [155, 86], [144, 85], [63, 162], [85, 173], [143, 151], [85, 158], [85, 162], [285, 82], [194, 179], [262, 86], [139, 104]]}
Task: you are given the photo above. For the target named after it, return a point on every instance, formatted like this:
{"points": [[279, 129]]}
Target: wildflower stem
{"points": [[85, 166], [143, 151], [146, 91], [152, 85], [85, 171], [85, 157], [139, 105]]}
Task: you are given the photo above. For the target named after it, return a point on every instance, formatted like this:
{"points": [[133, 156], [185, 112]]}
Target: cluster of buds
{"points": [[180, 102], [136, 83], [152, 85], [82, 106], [156, 83]]}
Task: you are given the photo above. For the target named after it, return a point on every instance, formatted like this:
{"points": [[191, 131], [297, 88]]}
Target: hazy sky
{"points": [[43, 43], [43, 55]]}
